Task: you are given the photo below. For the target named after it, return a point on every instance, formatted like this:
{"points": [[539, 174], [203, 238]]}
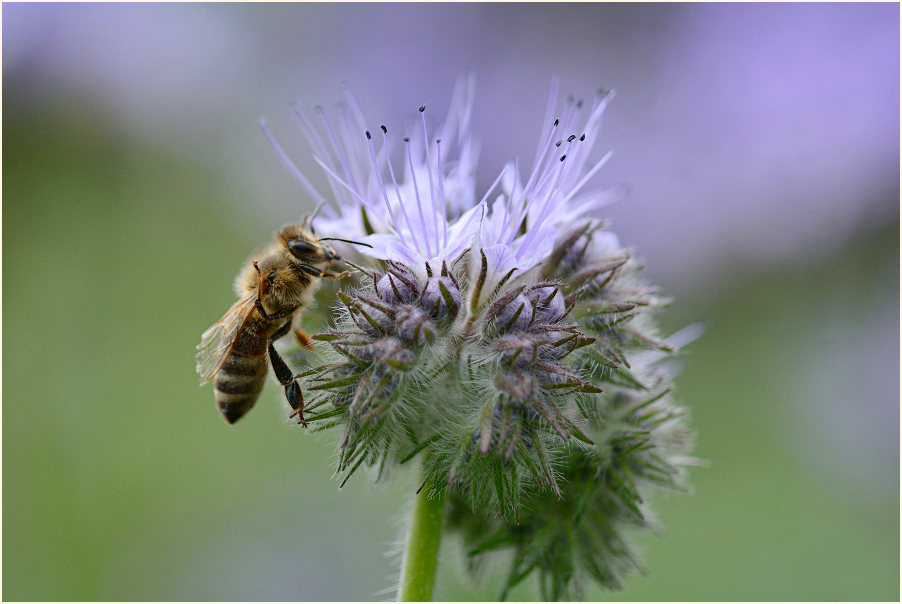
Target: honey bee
{"points": [[274, 287]]}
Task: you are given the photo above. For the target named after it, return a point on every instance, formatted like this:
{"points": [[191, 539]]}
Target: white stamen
{"points": [[336, 146], [391, 171], [529, 198], [286, 161], [588, 175], [546, 123], [429, 172], [377, 172], [320, 149], [339, 180], [540, 170], [441, 188], [348, 135], [533, 228], [355, 106], [494, 184], [509, 202], [542, 158], [416, 191]]}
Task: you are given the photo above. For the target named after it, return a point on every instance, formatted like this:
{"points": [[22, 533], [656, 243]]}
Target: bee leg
{"points": [[303, 339], [331, 275], [261, 310], [324, 274], [286, 378], [275, 316], [311, 270], [280, 333], [293, 392]]}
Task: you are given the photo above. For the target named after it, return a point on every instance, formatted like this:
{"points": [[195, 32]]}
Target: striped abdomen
{"points": [[241, 377]]}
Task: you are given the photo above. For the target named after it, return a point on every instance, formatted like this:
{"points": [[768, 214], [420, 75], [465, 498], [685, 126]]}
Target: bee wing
{"points": [[216, 343]]}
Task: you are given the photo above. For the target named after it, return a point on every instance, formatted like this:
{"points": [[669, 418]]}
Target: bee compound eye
{"points": [[300, 248], [271, 277]]}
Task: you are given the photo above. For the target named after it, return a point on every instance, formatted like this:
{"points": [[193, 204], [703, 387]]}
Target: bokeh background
{"points": [[760, 145]]}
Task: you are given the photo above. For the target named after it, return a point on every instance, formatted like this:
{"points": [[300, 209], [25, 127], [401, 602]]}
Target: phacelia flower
{"points": [[503, 340]]}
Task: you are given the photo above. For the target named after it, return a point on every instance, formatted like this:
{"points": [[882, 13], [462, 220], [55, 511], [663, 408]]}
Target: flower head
{"points": [[505, 343]]}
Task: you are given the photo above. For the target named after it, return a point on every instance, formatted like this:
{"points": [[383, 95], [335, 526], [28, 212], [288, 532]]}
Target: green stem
{"points": [[421, 552]]}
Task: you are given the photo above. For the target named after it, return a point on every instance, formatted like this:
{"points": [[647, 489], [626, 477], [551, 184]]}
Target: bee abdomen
{"points": [[238, 384]]}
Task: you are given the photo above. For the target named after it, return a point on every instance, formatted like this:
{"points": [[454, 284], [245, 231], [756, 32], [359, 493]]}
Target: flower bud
{"points": [[573, 257], [441, 298], [370, 319], [518, 385], [563, 342], [517, 350], [587, 244], [550, 304], [397, 288], [551, 375], [516, 315], [413, 325], [391, 353]]}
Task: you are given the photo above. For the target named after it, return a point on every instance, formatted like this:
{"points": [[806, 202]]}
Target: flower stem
{"points": [[421, 552]]}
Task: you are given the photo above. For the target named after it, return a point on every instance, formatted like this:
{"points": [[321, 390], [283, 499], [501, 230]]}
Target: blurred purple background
{"points": [[760, 146]]}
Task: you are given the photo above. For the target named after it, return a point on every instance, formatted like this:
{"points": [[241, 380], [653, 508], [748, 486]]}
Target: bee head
{"points": [[305, 247]]}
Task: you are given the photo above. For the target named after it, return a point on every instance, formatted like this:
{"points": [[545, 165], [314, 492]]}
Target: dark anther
{"points": [[384, 129], [422, 108], [368, 135]]}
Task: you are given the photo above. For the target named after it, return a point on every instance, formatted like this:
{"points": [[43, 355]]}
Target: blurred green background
{"points": [[121, 482]]}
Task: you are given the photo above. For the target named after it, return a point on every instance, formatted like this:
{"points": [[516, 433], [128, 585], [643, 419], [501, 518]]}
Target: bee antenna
{"points": [[316, 210], [345, 240], [308, 219]]}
